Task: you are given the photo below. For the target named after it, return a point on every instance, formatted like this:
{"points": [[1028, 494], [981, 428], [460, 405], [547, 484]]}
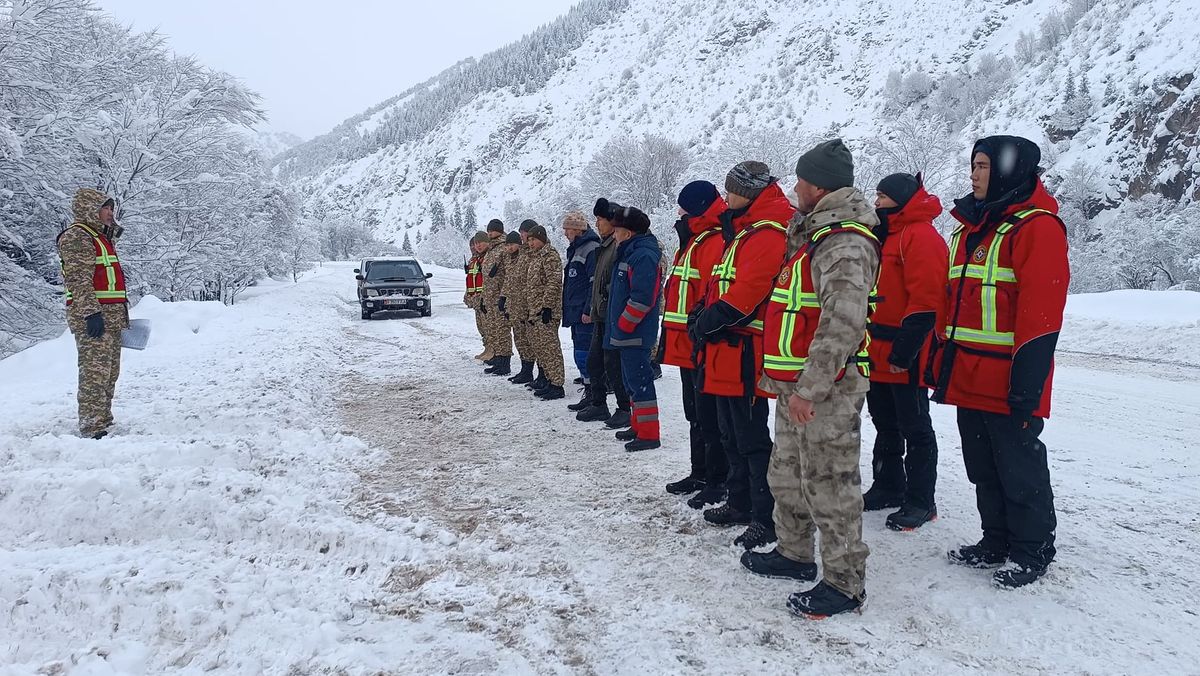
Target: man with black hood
{"points": [[1006, 294]]}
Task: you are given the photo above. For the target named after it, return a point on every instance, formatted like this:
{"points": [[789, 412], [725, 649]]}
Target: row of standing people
{"points": [[835, 305]]}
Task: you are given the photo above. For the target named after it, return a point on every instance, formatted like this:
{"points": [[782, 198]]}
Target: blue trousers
{"points": [[581, 342], [639, 383]]}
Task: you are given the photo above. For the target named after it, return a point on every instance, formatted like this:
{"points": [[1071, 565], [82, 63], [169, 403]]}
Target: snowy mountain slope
{"points": [[698, 72]]}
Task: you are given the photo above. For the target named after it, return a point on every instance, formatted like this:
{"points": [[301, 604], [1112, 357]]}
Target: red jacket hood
{"points": [[1040, 199], [922, 208], [771, 205], [709, 219]]}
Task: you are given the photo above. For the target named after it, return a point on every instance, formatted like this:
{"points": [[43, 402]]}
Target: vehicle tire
{"points": [[366, 314], [427, 312]]}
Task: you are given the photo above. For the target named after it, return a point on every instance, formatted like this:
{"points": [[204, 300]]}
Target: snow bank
{"points": [[1151, 325]]}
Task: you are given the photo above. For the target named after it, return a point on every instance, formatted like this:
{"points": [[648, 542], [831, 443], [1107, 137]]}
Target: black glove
{"points": [[494, 269], [501, 303], [95, 325], [546, 313]]}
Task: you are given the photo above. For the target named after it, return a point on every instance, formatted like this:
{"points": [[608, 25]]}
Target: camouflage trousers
{"points": [[815, 479], [499, 333], [99, 366], [548, 350], [523, 337], [473, 301]]}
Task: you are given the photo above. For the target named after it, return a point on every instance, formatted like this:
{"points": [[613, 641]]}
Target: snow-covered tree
{"points": [[642, 172]]}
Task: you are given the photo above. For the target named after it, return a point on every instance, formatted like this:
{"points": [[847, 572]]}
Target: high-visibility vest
{"points": [[794, 310], [725, 272], [475, 275], [977, 284], [108, 281], [679, 285]]}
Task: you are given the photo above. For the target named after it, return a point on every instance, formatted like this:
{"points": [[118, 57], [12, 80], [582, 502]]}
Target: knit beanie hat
{"points": [[828, 166], [495, 225], [748, 179], [513, 237], [900, 187], [538, 232], [575, 221], [526, 225], [480, 238], [632, 218], [697, 197]]}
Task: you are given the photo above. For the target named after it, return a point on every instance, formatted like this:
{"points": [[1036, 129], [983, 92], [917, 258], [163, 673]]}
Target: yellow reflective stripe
{"points": [[784, 363], [675, 318], [980, 272], [961, 333]]}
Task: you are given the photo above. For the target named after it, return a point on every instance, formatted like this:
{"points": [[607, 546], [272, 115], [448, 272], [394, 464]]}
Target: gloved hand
{"points": [[95, 325], [546, 315], [494, 269], [501, 303]]}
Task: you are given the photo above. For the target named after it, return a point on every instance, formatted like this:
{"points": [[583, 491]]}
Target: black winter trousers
{"points": [[1007, 463], [604, 369], [905, 456], [704, 431], [746, 435]]}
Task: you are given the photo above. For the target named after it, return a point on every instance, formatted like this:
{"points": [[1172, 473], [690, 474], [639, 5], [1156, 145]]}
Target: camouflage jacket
{"points": [[545, 282], [844, 270], [516, 283], [493, 284], [77, 250]]}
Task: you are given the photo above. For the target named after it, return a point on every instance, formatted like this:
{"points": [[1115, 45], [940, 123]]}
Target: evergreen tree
{"points": [[437, 216]]}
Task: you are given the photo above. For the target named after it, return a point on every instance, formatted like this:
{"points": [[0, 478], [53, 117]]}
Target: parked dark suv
{"points": [[390, 284]]}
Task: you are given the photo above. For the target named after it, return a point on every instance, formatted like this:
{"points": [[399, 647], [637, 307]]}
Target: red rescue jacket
{"points": [[912, 281], [744, 279], [1007, 288], [690, 275]]}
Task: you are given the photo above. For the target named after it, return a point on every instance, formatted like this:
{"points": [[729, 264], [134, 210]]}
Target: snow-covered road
{"points": [[293, 490]]}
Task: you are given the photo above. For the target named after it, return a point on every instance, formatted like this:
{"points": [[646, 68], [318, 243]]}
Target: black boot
{"points": [[1014, 575], [977, 556], [525, 375], [642, 445], [578, 381], [593, 413], [551, 393], [502, 367], [879, 497], [910, 518], [755, 536], [538, 383], [584, 402], [726, 516], [822, 601], [618, 420], [709, 495], [626, 435], [685, 486], [774, 565]]}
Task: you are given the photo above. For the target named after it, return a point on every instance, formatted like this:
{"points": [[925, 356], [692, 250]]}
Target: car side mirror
{"points": [[356, 271], [358, 277], [428, 275]]}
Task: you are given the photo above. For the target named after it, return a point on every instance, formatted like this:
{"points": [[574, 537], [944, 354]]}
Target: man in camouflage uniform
{"points": [[499, 330], [814, 470], [545, 311], [515, 297], [473, 298], [97, 310]]}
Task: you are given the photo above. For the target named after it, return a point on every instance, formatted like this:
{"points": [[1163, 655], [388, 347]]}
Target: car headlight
{"points": [[420, 292], [372, 292]]}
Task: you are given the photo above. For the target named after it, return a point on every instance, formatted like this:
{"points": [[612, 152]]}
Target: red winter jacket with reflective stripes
{"points": [[695, 261]]}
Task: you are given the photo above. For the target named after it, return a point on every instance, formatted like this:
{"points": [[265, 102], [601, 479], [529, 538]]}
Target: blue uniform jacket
{"points": [[635, 296]]}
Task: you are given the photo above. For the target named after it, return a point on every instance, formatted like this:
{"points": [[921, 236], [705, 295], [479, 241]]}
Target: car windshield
{"points": [[379, 271]]}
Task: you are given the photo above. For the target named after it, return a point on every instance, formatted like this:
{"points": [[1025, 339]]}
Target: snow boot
{"points": [[822, 601], [910, 518], [685, 486], [578, 381], [1013, 575], [620, 419], [626, 435], [485, 355], [538, 383], [642, 445], [502, 367], [709, 495], [593, 413], [726, 516], [879, 497], [774, 565], [526, 374], [977, 556], [584, 402], [755, 536], [551, 393]]}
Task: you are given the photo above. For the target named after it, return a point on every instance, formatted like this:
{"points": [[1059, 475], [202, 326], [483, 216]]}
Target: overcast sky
{"points": [[317, 63]]}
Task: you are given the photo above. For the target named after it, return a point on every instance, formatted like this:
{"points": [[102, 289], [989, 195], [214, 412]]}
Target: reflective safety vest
{"points": [[794, 310], [680, 287], [725, 272], [985, 289], [108, 279], [475, 275]]}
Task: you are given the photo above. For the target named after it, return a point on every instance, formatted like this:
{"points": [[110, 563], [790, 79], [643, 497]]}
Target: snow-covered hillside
{"points": [[1105, 87], [290, 490]]}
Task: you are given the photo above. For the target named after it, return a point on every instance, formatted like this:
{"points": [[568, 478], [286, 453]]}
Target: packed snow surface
{"points": [[291, 490]]}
